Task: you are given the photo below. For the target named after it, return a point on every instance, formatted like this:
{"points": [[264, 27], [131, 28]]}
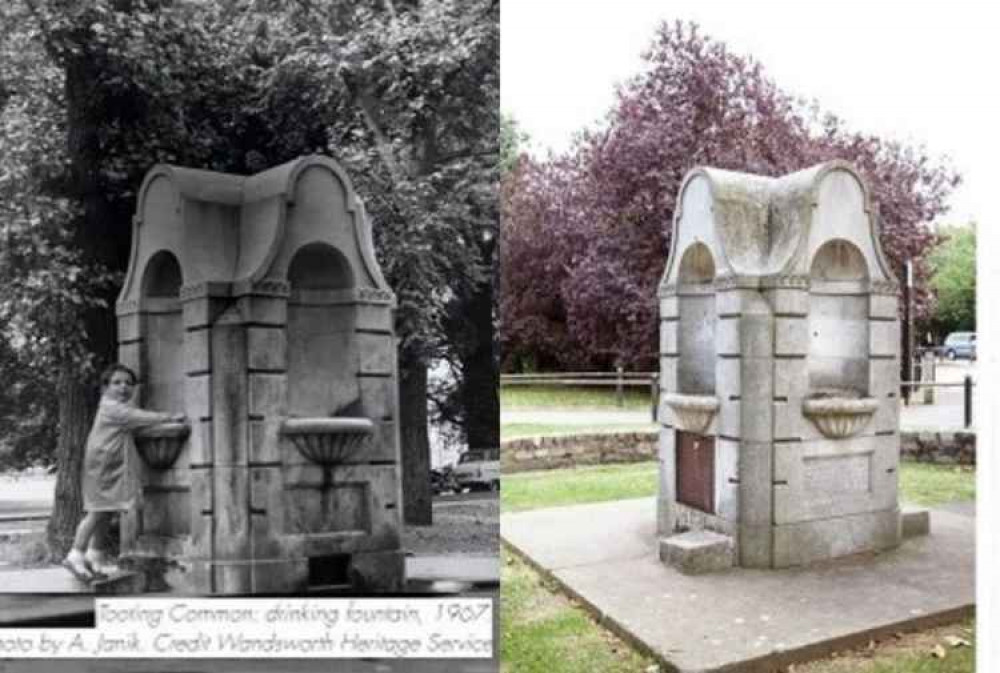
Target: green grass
{"points": [[920, 484], [517, 430], [573, 486], [543, 632], [929, 485], [918, 652], [573, 397]]}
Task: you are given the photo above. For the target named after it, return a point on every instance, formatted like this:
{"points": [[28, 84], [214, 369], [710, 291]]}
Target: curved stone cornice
{"points": [[238, 191], [762, 224]]}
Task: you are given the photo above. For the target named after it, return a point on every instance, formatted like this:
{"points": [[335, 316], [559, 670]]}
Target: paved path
{"points": [[605, 555]]}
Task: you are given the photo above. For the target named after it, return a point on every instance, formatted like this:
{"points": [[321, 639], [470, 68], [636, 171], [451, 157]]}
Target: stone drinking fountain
{"points": [[256, 306], [779, 368]]}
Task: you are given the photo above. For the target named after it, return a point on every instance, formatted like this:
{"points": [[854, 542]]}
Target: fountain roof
{"points": [[763, 226]]}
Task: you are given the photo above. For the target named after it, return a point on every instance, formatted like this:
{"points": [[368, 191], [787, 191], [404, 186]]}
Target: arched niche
{"points": [[318, 266], [163, 378], [162, 278], [696, 331], [322, 349], [838, 319]]}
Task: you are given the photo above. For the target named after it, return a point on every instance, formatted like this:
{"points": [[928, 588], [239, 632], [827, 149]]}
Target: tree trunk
{"points": [[76, 404], [481, 373], [103, 236], [416, 449]]}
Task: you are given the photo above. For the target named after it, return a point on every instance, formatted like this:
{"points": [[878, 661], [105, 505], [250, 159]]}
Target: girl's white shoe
{"points": [[76, 563], [100, 563]]}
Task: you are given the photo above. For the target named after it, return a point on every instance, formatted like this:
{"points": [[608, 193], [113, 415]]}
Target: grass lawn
{"points": [[543, 632], [572, 397], [598, 483], [946, 649], [546, 632], [929, 485], [517, 430], [920, 483]]}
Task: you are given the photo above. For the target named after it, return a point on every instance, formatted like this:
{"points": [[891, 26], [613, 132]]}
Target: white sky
{"points": [[924, 73]]}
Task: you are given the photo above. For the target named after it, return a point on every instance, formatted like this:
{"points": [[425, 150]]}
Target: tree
{"points": [[953, 279], [609, 202]]}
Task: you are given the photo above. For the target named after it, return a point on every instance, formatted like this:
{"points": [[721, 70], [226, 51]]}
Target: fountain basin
{"points": [[839, 417], [159, 445], [327, 440], [693, 413]]}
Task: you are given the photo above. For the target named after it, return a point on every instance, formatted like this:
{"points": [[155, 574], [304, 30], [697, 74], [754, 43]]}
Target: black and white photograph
{"points": [[248, 329]]}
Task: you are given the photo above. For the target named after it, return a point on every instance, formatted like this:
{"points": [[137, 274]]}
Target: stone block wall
{"points": [[943, 447], [546, 453]]}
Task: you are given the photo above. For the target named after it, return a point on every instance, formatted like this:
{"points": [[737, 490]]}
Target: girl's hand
{"points": [[178, 418]]}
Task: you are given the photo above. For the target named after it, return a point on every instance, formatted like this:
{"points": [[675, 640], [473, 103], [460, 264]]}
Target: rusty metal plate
{"points": [[696, 471]]}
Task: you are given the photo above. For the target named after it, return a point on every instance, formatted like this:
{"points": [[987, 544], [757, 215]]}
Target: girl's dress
{"points": [[109, 481]]}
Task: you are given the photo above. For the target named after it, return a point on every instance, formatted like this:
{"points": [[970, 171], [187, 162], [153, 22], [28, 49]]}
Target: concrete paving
{"points": [[746, 620]]}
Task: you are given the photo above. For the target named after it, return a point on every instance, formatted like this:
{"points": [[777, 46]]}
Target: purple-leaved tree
{"points": [[586, 234]]}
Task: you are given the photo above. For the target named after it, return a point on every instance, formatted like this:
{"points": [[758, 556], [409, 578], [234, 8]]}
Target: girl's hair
{"points": [[116, 367]]}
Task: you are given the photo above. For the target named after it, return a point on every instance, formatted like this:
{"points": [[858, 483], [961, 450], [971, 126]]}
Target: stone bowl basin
{"points": [[328, 440], [159, 445], [839, 417], [693, 413]]}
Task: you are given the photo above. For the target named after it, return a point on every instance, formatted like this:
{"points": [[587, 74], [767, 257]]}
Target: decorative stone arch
{"points": [[162, 277], [697, 317], [838, 266], [323, 355], [697, 265], [839, 334], [320, 266], [163, 371]]}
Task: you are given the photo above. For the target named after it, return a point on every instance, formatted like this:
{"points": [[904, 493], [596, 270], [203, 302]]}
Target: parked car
{"points": [[479, 469], [443, 480], [959, 345]]}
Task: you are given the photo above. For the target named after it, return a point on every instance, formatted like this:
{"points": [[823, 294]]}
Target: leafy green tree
{"points": [[953, 265]]}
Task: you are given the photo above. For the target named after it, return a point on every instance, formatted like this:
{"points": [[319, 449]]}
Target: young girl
{"points": [[108, 483]]}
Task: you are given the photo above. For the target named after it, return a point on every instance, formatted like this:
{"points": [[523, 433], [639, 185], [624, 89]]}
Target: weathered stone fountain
{"points": [[780, 370], [256, 305]]}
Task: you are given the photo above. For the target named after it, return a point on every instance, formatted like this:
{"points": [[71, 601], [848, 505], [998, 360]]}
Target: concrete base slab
{"points": [[606, 555], [478, 570], [58, 580]]}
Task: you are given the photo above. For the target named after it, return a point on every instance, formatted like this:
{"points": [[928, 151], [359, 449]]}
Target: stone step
{"points": [[58, 580], [698, 551], [120, 584], [916, 521]]}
